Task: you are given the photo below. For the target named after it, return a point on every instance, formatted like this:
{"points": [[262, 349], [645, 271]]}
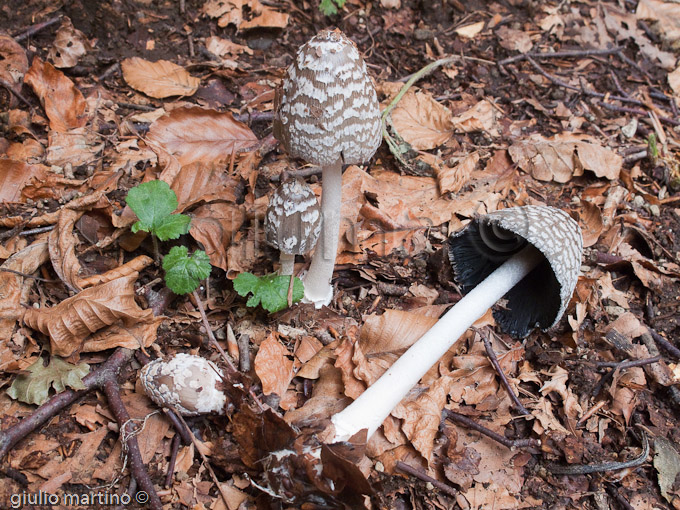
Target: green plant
{"points": [[652, 148], [32, 386], [183, 273], [330, 7], [270, 290], [153, 202]]}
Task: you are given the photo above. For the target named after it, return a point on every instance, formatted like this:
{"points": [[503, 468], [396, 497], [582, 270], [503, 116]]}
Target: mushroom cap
{"points": [[540, 299], [293, 220], [184, 383], [327, 108]]}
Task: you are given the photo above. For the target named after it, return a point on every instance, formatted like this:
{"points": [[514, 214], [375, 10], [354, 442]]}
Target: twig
{"points": [[141, 107], [211, 336], [664, 344], [629, 364], [37, 28], [109, 71], [21, 98], [6, 270], [243, 343], [613, 492], [634, 111], [173, 458], [504, 380], [405, 468], [561, 54], [510, 443], [38, 230], [591, 412], [584, 469]]}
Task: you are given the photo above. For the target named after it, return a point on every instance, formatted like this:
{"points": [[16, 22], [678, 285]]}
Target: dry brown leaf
{"points": [[480, 117], [393, 331], [558, 384], [30, 150], [70, 322], [452, 179], [158, 79], [514, 40], [666, 17], [562, 157], [624, 388], [268, 18], [14, 64], [214, 225], [216, 8], [69, 45], [135, 265], [674, 82], [221, 47], [391, 4], [75, 146], [327, 398], [81, 461], [590, 221], [421, 121], [130, 336], [197, 134], [64, 104], [198, 182], [274, 366], [14, 288], [470, 31], [14, 175], [63, 249]]}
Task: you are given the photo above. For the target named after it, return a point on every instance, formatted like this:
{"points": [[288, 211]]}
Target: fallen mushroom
{"points": [[293, 222], [188, 384], [530, 256], [327, 113]]}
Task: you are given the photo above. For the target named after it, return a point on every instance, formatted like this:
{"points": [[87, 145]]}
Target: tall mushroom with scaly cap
{"points": [[530, 256], [327, 113]]}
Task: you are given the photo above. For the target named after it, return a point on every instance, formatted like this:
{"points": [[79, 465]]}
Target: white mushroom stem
{"points": [[376, 403], [317, 281], [287, 261]]}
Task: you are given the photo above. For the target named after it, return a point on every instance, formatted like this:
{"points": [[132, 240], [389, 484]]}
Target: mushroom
{"points": [[186, 383], [327, 113], [530, 256], [293, 222]]}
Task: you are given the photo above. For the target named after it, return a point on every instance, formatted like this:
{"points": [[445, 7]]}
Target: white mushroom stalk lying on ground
{"points": [[293, 222], [188, 384], [529, 255], [327, 113]]}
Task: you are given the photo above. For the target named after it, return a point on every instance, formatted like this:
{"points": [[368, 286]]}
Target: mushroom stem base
{"points": [[317, 281], [287, 262], [376, 403]]}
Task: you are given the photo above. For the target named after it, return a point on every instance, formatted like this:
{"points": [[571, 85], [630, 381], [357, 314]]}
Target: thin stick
{"points": [[211, 336], [561, 54], [173, 458], [584, 469], [37, 28], [405, 468], [506, 384], [19, 273], [664, 344], [629, 364], [510, 443], [21, 98]]}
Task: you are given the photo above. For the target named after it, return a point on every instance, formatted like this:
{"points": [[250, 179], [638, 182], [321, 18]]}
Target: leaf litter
{"points": [[475, 138]]}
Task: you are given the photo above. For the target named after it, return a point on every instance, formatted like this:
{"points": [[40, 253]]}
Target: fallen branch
{"points": [[513, 444], [561, 54], [405, 468]]}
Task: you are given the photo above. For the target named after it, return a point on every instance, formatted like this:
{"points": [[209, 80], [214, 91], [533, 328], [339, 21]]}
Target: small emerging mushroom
{"points": [[327, 113], [188, 384], [293, 222], [530, 256]]}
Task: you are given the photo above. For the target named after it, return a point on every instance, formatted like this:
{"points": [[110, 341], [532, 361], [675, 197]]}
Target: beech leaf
{"points": [[158, 79]]}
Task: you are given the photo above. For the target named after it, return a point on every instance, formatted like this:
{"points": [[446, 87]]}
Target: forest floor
{"points": [[568, 104]]}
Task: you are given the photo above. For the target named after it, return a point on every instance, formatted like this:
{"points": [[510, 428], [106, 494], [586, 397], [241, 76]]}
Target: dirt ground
{"points": [[610, 115]]}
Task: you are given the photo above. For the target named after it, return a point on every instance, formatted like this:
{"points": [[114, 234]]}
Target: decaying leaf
{"points": [[158, 79], [452, 179], [197, 134], [14, 175], [421, 121], [274, 366], [562, 157], [666, 18], [480, 117], [69, 45], [69, 323], [75, 147], [34, 387], [224, 47], [514, 40], [14, 63], [667, 465], [266, 17], [214, 226], [64, 104]]}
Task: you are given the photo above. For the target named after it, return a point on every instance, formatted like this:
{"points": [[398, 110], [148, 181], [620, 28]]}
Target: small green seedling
{"points": [[153, 202], [330, 7], [270, 290], [182, 272], [33, 385], [652, 148]]}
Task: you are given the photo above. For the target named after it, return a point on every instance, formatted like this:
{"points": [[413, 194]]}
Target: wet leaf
{"points": [[158, 79], [34, 387]]}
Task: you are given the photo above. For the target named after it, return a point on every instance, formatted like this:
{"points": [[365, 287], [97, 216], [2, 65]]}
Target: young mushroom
{"points": [[327, 113], [530, 256], [293, 222], [188, 384]]}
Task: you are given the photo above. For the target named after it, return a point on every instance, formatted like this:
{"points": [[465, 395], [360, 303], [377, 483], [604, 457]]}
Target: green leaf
{"points": [[184, 273], [34, 387], [328, 7], [270, 290], [153, 203]]}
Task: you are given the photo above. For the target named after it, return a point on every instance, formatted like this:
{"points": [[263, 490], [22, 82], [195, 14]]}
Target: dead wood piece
{"points": [[405, 468], [510, 443], [37, 28]]}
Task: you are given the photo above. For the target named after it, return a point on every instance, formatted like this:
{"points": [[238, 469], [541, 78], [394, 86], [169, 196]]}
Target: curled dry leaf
{"points": [[224, 47], [158, 79], [14, 175], [69, 45], [214, 226], [266, 17], [452, 179], [674, 82], [73, 320], [590, 221], [63, 249], [393, 331], [64, 104], [198, 182], [14, 64], [421, 121], [135, 265], [481, 117], [562, 157], [197, 134], [75, 146], [274, 366], [514, 40]]}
